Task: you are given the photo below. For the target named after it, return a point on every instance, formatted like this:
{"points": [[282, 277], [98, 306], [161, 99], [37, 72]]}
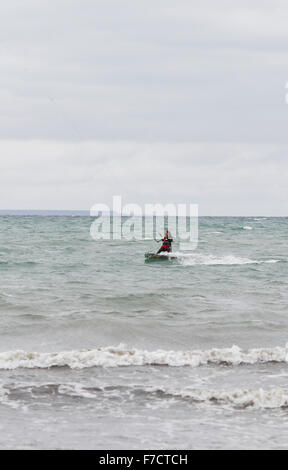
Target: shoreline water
{"points": [[112, 352]]}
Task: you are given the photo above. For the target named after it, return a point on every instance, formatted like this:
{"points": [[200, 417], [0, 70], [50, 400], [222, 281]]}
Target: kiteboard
{"points": [[157, 257]]}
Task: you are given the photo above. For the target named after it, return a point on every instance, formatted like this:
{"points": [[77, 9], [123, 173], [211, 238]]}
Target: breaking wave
{"points": [[22, 396], [259, 399], [123, 356]]}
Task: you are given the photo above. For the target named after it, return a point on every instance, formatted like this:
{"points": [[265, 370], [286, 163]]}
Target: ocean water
{"points": [[100, 350]]}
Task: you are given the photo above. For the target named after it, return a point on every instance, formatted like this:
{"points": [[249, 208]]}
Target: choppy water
{"points": [[99, 349]]}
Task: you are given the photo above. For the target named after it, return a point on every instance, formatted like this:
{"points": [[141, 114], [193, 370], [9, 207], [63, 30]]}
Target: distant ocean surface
{"points": [[100, 350]]}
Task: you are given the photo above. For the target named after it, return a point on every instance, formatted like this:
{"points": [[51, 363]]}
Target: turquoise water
{"points": [[112, 352]]}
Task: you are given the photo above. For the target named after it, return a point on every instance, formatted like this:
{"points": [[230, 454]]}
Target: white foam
{"points": [[76, 390], [123, 356], [247, 227], [191, 259], [214, 260]]}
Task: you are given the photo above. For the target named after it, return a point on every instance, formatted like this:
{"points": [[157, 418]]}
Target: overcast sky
{"points": [[157, 101]]}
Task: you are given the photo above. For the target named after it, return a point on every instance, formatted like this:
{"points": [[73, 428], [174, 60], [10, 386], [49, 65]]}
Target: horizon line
{"points": [[86, 212]]}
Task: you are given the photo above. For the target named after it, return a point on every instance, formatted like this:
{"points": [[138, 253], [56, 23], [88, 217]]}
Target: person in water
{"points": [[167, 243]]}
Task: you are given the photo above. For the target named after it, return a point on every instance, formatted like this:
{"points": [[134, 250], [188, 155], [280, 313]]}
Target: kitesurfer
{"points": [[167, 243]]}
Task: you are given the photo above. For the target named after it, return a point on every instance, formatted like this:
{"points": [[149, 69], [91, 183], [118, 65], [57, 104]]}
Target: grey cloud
{"points": [[181, 101], [109, 70]]}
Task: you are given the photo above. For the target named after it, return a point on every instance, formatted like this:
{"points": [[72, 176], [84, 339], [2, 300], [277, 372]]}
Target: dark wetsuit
{"points": [[166, 246]]}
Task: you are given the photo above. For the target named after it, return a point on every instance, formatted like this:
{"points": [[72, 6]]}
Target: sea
{"points": [[102, 350]]}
